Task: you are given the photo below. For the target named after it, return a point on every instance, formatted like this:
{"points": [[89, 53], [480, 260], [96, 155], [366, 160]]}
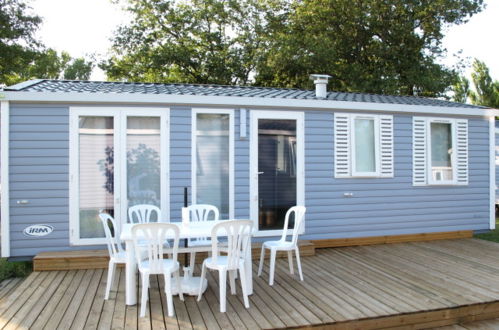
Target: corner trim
{"points": [[4, 160], [492, 172]]}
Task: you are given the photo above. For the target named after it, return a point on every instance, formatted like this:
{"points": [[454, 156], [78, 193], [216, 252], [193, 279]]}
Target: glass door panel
{"points": [[212, 161], [143, 149], [96, 173], [277, 167]]}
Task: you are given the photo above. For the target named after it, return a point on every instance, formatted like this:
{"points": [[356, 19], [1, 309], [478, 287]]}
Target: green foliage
{"points": [[14, 269], [194, 41], [17, 43], [461, 89], [387, 46], [23, 58], [486, 91]]}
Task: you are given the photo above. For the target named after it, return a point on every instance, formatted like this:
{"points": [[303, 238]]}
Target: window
{"points": [[212, 166], [440, 151], [363, 145]]}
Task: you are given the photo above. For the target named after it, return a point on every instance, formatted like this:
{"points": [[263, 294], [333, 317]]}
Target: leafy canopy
{"points": [[379, 46], [22, 57]]}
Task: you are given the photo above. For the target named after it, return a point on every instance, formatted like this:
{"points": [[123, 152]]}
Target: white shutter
{"points": [[462, 151], [341, 145], [386, 146], [419, 164]]}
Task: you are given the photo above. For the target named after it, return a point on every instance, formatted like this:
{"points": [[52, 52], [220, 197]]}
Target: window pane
{"points": [[441, 151], [143, 160], [365, 154], [212, 153], [96, 157], [276, 172]]}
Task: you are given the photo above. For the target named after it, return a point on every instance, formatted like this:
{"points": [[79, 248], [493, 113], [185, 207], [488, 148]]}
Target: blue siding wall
{"points": [[39, 167]]}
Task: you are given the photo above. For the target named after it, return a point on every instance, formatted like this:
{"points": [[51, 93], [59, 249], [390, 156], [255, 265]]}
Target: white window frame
{"points": [[377, 147], [429, 172], [300, 163], [195, 112], [119, 115]]}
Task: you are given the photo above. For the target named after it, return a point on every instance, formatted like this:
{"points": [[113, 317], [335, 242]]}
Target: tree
{"points": [[387, 46], [17, 42], [23, 58], [195, 41], [461, 90], [486, 91]]}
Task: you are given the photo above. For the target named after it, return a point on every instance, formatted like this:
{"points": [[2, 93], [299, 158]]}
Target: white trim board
{"points": [[242, 102], [4, 161], [300, 162], [194, 113], [492, 172]]}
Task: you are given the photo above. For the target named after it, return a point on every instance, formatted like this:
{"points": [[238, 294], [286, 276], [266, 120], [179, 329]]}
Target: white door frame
{"points": [[255, 115], [119, 115]]}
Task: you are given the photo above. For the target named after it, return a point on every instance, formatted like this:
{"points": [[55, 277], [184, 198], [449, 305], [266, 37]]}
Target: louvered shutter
{"points": [[462, 151], [419, 163], [386, 146], [341, 145]]}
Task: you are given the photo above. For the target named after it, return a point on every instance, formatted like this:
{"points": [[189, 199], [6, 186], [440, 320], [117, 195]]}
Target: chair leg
{"points": [[192, 262], [223, 288], [145, 294], [244, 286], [272, 266], [203, 275], [262, 256], [168, 293], [110, 277], [298, 263], [179, 285], [290, 260], [232, 279]]}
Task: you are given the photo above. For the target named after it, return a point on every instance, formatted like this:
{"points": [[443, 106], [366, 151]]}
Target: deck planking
{"points": [[408, 285]]}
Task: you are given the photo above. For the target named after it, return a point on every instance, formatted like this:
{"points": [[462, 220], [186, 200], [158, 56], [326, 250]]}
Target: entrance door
{"points": [[118, 159], [277, 168]]}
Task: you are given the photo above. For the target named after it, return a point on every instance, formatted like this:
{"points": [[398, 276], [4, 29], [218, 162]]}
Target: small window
{"points": [[363, 145], [440, 151]]}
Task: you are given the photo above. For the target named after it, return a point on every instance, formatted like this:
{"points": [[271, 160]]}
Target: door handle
{"points": [[260, 173]]}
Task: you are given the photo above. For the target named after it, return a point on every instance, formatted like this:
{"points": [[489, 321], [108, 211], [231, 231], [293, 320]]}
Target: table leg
{"points": [[131, 275], [248, 265]]}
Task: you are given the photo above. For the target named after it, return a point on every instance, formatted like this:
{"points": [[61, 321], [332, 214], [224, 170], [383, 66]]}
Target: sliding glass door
{"points": [[277, 168], [118, 159]]}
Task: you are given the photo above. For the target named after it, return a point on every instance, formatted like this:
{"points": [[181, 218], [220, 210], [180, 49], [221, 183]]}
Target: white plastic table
{"points": [[193, 230]]}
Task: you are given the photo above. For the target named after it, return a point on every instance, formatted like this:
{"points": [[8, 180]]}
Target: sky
{"points": [[84, 27]]}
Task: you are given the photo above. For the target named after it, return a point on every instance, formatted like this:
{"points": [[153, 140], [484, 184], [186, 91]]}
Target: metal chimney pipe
{"points": [[320, 81]]}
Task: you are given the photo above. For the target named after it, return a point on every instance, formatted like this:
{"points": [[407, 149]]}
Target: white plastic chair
{"points": [[148, 240], [198, 213], [238, 237], [142, 213], [285, 245], [117, 254]]}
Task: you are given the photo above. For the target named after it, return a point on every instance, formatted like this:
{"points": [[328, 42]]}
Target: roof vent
{"points": [[320, 81]]}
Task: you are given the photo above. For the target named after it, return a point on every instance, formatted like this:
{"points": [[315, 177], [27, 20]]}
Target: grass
{"points": [[14, 269], [492, 235]]}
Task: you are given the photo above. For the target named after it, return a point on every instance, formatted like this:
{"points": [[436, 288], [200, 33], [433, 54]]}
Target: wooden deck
{"points": [[408, 285]]}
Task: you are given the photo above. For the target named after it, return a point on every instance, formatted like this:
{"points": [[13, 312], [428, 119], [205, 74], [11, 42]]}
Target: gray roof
{"points": [[77, 86]]}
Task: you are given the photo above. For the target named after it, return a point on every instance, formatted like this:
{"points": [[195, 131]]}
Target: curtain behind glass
{"points": [[441, 151], [96, 173], [212, 159], [364, 145], [143, 161]]}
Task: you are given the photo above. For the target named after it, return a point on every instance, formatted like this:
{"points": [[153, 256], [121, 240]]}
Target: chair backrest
{"points": [[113, 244], [143, 213], [202, 212], [299, 215], [149, 239], [238, 233]]}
